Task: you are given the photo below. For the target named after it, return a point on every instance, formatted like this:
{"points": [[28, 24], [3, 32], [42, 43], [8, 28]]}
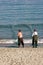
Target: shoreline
{"points": [[11, 41]]}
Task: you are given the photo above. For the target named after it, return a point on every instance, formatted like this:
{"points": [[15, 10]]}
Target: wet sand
{"points": [[21, 56]]}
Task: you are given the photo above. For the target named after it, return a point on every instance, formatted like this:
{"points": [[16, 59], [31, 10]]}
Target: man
{"points": [[34, 38], [20, 38]]}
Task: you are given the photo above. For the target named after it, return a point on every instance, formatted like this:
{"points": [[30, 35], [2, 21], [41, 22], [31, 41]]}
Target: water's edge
{"points": [[13, 41]]}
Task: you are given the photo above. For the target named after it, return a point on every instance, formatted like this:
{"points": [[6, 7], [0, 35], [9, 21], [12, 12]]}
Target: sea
{"points": [[26, 15]]}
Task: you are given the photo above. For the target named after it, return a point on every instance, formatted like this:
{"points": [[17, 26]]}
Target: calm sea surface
{"points": [[21, 14]]}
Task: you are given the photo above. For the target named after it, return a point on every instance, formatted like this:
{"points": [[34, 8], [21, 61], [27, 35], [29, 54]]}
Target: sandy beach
{"points": [[21, 56]]}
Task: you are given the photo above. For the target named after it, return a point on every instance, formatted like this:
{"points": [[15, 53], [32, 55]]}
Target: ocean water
{"points": [[26, 15]]}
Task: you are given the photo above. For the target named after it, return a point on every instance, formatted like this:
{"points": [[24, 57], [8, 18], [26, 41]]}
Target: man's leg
{"points": [[33, 42], [22, 42], [36, 44], [18, 42]]}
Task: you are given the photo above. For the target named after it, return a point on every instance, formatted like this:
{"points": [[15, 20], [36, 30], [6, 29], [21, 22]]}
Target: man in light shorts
{"points": [[34, 38]]}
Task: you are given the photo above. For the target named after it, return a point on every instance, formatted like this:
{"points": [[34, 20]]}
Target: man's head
{"points": [[34, 29], [19, 30]]}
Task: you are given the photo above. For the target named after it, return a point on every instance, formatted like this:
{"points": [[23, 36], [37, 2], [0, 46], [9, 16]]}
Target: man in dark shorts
{"points": [[20, 38]]}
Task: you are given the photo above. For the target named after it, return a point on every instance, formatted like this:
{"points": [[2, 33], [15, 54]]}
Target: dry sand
{"points": [[21, 56]]}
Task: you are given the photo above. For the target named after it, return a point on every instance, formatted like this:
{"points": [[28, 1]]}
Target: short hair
{"points": [[34, 29], [19, 30]]}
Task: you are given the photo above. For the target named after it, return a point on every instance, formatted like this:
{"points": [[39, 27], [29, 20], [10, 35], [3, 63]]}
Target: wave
{"points": [[10, 31]]}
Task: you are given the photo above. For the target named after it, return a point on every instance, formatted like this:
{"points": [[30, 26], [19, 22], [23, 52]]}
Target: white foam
{"points": [[11, 41]]}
